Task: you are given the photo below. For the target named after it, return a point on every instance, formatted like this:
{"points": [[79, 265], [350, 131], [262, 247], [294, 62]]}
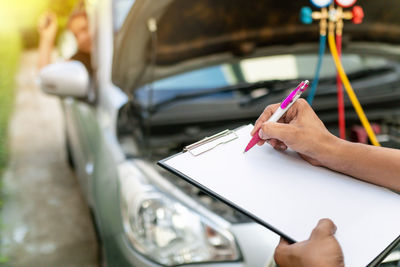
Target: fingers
{"points": [[291, 131], [283, 242], [267, 113], [281, 131], [282, 252], [300, 106], [261, 142], [278, 145], [47, 19], [42, 23], [298, 111], [324, 228]]}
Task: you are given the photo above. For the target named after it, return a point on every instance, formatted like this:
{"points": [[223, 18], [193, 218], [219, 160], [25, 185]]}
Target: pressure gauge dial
{"points": [[321, 3], [345, 3]]}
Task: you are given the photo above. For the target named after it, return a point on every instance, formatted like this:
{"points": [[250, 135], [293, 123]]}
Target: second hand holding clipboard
{"points": [[283, 107]]}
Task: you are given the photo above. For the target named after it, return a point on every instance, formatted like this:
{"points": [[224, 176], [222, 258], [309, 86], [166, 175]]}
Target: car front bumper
{"points": [[256, 244]]}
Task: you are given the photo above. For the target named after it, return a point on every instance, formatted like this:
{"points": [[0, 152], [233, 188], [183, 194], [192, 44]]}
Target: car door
{"points": [[82, 127]]}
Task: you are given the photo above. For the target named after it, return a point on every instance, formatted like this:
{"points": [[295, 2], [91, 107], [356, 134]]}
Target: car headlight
{"points": [[168, 232]]}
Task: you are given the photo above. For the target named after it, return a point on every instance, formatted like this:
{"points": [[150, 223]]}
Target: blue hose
{"points": [[322, 44]]}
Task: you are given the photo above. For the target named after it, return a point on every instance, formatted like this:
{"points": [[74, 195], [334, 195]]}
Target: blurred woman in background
{"points": [[78, 24]]}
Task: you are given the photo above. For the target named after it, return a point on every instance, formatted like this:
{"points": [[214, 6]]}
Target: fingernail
{"points": [[261, 134]]}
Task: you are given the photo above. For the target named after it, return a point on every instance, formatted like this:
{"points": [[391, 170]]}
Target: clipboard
{"points": [[197, 165]]}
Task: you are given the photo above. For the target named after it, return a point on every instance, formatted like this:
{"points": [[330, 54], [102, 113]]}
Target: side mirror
{"points": [[68, 78]]}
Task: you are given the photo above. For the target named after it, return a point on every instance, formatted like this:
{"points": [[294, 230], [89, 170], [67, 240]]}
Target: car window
{"points": [[211, 77], [251, 70]]}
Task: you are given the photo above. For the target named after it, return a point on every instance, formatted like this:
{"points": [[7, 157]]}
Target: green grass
{"points": [[10, 48]]}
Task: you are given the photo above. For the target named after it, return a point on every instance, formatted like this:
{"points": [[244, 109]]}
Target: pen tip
{"points": [[244, 151]]}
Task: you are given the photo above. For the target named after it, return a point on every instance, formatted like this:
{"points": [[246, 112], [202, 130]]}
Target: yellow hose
{"points": [[350, 91]]}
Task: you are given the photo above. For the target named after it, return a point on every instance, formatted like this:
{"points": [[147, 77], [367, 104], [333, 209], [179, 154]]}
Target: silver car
{"points": [[167, 73]]}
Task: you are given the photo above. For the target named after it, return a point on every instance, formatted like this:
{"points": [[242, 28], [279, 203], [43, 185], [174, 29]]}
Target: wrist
{"points": [[46, 45], [335, 155], [47, 39]]}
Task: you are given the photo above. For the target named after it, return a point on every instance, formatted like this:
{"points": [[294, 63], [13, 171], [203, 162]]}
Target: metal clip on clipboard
{"points": [[211, 142]]}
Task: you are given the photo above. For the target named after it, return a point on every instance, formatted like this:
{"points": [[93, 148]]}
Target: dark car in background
{"points": [[170, 72]]}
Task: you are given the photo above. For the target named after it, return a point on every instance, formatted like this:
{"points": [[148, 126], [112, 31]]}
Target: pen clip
{"points": [[297, 91]]}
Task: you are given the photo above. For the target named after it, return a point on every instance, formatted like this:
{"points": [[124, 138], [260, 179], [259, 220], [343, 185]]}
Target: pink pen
{"points": [[284, 106]]}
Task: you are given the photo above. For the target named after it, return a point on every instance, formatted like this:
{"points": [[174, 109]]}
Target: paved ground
{"points": [[45, 219]]}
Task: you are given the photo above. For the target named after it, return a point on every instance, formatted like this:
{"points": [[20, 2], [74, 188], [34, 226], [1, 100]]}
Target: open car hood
{"points": [[190, 34]]}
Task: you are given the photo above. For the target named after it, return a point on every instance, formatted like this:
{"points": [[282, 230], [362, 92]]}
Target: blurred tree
{"points": [[10, 46], [26, 13], [62, 8]]}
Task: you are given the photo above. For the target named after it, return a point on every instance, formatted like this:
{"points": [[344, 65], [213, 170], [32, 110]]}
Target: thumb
{"points": [[283, 243], [281, 131], [324, 228], [282, 253]]}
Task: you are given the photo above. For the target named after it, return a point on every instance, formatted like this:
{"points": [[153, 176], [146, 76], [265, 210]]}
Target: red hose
{"points": [[340, 99]]}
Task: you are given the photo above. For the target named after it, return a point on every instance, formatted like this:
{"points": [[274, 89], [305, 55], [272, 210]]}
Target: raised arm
{"points": [[47, 33], [301, 130]]}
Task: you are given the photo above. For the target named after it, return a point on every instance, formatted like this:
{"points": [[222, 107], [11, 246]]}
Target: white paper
{"points": [[291, 195]]}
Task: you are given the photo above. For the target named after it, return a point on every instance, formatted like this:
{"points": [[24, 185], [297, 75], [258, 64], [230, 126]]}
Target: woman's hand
{"points": [[320, 250], [299, 129], [47, 27]]}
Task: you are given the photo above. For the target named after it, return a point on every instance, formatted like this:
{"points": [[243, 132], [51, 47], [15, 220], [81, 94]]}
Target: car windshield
{"points": [[252, 70]]}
